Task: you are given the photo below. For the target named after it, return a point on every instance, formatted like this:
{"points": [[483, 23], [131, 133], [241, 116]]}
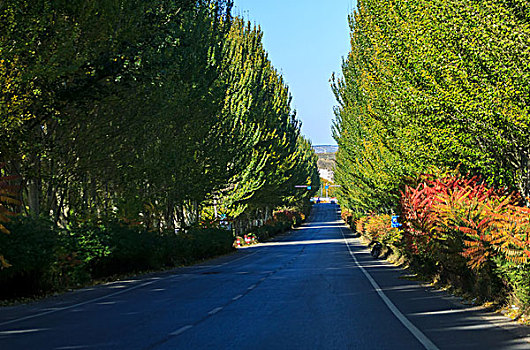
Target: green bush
{"points": [[271, 229], [31, 250], [209, 242], [265, 232], [125, 249], [46, 258], [518, 278]]}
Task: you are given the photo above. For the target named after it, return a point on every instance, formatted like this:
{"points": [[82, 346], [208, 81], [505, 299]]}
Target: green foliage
{"points": [[47, 258], [431, 85], [31, 250], [209, 242], [146, 113], [517, 276], [278, 157]]}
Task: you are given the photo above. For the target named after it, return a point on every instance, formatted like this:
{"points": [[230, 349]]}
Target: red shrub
{"points": [[454, 215]]}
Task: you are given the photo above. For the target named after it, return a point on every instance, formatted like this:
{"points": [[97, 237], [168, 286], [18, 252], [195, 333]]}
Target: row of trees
{"points": [[154, 112], [433, 124], [431, 85]]}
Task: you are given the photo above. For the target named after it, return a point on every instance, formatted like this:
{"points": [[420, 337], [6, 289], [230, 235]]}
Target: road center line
{"points": [[214, 311], [181, 330], [422, 338], [237, 297], [251, 287]]}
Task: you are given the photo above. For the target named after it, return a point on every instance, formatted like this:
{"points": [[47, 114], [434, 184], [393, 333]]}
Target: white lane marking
{"points": [[208, 267], [79, 304], [237, 297], [214, 311], [23, 331], [422, 338], [181, 330], [251, 287]]}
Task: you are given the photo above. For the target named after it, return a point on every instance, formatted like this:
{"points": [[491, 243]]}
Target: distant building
{"points": [[326, 174], [325, 149]]}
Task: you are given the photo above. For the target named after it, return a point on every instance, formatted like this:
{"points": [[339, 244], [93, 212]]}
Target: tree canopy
{"points": [[428, 86], [145, 111]]}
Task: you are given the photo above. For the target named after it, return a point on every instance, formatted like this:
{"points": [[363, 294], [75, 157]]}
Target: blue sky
{"points": [[306, 40]]}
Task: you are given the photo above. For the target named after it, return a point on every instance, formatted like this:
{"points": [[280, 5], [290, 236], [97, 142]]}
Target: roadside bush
{"points": [[350, 218], [461, 232], [283, 215], [281, 221], [30, 248], [379, 228], [289, 218], [468, 233], [45, 258], [298, 218], [125, 249], [206, 243], [270, 229], [265, 232], [360, 225], [518, 277]]}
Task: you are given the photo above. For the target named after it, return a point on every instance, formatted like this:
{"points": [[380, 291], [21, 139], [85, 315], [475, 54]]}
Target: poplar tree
{"points": [[432, 85]]}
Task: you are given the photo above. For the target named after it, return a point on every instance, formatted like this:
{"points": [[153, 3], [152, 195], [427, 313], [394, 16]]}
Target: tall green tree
{"points": [[432, 84], [143, 111]]}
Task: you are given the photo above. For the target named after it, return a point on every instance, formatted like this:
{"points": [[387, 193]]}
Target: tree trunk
{"points": [[33, 196]]}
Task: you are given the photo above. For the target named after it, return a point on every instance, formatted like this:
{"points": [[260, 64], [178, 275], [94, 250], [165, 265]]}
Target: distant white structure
{"points": [[326, 174]]}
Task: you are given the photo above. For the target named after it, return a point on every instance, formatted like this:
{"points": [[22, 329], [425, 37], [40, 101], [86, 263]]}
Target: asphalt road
{"points": [[314, 288]]}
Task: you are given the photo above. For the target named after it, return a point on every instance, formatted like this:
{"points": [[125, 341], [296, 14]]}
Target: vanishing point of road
{"points": [[316, 287]]}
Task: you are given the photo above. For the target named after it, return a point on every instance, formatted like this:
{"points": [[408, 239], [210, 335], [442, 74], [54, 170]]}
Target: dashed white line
{"points": [[237, 297], [23, 331], [181, 330], [214, 311], [251, 287]]}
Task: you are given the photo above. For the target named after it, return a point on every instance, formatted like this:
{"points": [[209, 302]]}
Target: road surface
{"points": [[314, 288]]}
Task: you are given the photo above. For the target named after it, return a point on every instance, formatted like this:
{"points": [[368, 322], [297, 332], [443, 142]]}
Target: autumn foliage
{"points": [[461, 231], [465, 216]]}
